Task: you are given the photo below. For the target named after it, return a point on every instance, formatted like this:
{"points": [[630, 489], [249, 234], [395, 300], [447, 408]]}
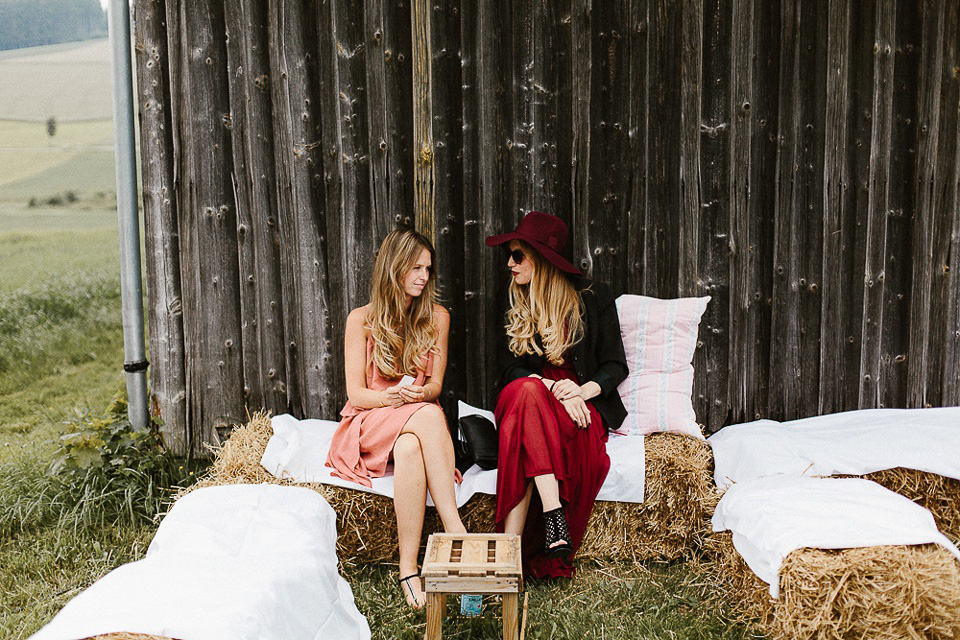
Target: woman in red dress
{"points": [[563, 362], [401, 332]]}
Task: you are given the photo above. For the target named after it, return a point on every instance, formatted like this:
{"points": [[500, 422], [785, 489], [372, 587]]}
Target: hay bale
{"points": [[882, 593], [366, 524], [675, 516], [679, 498], [938, 494]]}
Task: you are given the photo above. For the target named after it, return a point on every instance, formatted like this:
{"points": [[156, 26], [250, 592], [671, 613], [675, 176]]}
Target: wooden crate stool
{"points": [[484, 563]]}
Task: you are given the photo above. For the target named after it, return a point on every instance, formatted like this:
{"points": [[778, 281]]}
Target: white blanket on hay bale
{"points": [[298, 451], [234, 562], [771, 517], [850, 443]]}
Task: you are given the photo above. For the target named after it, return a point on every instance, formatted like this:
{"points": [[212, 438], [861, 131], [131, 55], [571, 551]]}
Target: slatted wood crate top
{"points": [[480, 562]]}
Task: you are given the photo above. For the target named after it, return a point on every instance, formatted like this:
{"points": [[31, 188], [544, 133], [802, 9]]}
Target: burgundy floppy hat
{"points": [[545, 233]]}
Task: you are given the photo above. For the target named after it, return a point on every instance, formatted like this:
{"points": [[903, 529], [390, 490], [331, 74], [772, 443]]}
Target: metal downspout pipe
{"points": [[134, 351]]}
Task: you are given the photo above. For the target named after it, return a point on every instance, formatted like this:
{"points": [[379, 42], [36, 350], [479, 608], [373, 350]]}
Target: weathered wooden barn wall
{"points": [[798, 161]]}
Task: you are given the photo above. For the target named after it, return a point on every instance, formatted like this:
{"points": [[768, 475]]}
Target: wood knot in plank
{"points": [[426, 155]]}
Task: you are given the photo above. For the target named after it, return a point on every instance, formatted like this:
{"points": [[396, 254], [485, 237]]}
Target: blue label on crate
{"points": [[471, 604]]}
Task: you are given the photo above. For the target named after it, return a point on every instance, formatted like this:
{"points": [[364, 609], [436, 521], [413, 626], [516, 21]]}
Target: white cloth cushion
{"points": [[850, 443], [659, 339], [235, 562], [772, 517], [298, 449]]}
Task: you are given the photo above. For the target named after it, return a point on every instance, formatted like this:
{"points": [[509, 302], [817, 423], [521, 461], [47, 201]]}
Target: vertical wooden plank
{"points": [[740, 167], [835, 179], [948, 208], [895, 335], [484, 28], [524, 33], [662, 230], [854, 200], [389, 113], [785, 330], [638, 137], [605, 219], [922, 390], [582, 66], [161, 224], [795, 352], [423, 175], [752, 166], [447, 220], [541, 60], [809, 203], [761, 199], [557, 107], [175, 75], [341, 52], [713, 234], [254, 177], [301, 197], [209, 264], [877, 211], [689, 202]]}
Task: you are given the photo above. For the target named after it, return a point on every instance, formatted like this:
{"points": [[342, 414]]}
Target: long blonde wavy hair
{"points": [[549, 305], [402, 337]]}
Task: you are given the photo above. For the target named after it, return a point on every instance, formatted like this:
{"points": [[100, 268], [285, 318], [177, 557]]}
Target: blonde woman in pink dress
{"points": [[401, 332]]}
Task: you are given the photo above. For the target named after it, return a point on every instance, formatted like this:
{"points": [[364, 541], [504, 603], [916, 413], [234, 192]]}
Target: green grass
{"points": [[87, 173], [42, 570], [42, 248], [609, 601], [16, 133]]}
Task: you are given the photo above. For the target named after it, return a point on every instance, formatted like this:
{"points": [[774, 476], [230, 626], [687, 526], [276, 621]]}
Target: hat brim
{"points": [[550, 254]]}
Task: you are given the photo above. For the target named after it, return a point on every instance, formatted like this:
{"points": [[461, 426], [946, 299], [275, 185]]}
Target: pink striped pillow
{"points": [[659, 338]]}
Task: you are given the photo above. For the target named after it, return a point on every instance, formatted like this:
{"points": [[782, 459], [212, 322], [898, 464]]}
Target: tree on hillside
{"points": [[29, 23]]}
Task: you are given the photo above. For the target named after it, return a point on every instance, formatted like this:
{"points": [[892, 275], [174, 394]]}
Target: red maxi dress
{"points": [[538, 437]]}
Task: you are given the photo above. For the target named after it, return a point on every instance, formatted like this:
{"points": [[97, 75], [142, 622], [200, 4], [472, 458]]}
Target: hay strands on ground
{"points": [[882, 593]]}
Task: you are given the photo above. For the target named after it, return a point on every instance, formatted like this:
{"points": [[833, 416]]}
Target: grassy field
{"points": [[69, 81]]}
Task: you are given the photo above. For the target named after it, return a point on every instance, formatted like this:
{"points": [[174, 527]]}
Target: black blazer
{"points": [[598, 356]]}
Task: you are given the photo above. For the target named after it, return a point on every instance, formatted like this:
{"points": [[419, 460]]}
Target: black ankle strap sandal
{"points": [[405, 582], [555, 529]]}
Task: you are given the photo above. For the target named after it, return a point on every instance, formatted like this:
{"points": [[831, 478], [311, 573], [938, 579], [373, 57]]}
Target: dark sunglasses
{"points": [[517, 255]]}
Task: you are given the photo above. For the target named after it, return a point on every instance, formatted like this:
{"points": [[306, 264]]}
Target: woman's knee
{"points": [[407, 447], [429, 417], [524, 390]]}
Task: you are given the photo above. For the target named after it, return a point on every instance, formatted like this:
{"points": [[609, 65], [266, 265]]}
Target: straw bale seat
{"points": [[938, 494], [675, 516], [882, 593]]}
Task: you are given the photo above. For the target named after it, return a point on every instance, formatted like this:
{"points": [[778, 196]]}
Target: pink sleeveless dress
{"points": [[365, 438]]}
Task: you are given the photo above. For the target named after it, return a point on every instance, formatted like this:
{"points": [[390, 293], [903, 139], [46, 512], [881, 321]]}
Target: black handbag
{"points": [[482, 441]]}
